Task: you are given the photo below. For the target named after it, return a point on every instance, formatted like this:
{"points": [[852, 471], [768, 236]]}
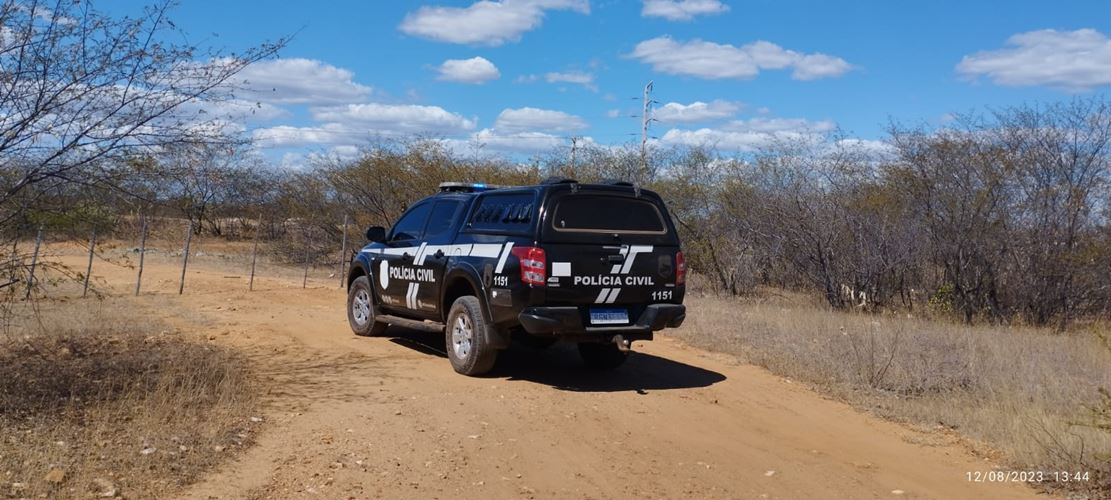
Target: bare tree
{"points": [[81, 91], [1061, 155]]}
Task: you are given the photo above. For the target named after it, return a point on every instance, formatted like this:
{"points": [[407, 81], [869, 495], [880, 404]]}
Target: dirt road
{"points": [[351, 417]]}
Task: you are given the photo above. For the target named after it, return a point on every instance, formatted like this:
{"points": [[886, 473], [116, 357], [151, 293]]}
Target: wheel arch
{"points": [[460, 282], [359, 267]]}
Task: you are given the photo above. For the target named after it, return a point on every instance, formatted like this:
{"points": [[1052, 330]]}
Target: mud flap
{"points": [[496, 338]]}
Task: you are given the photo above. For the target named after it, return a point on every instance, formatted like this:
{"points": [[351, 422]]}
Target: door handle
{"points": [[615, 259], [439, 254], [406, 256]]}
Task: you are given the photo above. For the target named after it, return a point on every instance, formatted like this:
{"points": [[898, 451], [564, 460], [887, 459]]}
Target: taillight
{"points": [[534, 265], [680, 269]]}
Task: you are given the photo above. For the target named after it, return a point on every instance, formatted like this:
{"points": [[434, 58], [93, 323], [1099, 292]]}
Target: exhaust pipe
{"points": [[622, 343]]}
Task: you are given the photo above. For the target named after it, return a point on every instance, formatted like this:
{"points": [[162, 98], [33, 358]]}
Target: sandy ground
{"points": [[351, 417]]}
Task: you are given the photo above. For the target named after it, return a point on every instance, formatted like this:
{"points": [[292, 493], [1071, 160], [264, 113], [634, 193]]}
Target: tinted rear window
{"points": [[504, 212], [607, 214]]}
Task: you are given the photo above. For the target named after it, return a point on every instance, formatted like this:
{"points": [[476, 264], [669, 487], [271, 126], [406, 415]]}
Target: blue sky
{"points": [[553, 69]]}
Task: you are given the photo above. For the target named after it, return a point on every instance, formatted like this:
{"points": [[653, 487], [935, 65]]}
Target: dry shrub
{"points": [[109, 400], [1026, 392]]}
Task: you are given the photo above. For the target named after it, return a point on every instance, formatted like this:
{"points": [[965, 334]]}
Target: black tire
{"points": [[467, 338], [602, 356], [361, 316]]}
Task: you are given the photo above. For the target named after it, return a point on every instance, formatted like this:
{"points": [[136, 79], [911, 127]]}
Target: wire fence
{"points": [[249, 249]]}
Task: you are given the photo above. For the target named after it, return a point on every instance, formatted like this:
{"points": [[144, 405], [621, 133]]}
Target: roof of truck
{"points": [[475, 188]]}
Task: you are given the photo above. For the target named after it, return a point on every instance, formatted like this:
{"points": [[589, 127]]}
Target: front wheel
{"points": [[602, 356], [467, 337], [360, 309]]}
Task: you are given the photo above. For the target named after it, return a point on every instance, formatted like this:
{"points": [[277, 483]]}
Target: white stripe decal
{"points": [[624, 255], [460, 250], [561, 269], [613, 295], [411, 296], [602, 296], [419, 258], [372, 250], [504, 255], [633, 251], [399, 251], [486, 250], [432, 249]]}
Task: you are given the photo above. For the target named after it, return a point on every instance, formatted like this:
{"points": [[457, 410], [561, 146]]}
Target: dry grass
{"points": [[1022, 391], [93, 396]]}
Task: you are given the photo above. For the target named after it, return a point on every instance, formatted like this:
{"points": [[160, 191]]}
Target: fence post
{"points": [[254, 254], [308, 247], [34, 262], [343, 253], [185, 257], [89, 269], [15, 256], [142, 252]]}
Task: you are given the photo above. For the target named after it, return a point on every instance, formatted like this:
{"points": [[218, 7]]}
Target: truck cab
{"points": [[595, 264]]}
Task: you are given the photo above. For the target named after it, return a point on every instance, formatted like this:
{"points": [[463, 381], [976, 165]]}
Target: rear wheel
{"points": [[360, 309], [467, 338], [602, 356]]}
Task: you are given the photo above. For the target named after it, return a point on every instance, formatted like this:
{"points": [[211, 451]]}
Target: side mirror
{"points": [[376, 233]]}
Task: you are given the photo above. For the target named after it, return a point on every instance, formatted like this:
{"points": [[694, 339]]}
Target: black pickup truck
{"points": [[596, 264]]}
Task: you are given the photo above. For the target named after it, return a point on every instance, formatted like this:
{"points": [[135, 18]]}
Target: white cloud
{"points": [[517, 142], [354, 124], [749, 135], [1072, 60], [698, 111], [303, 160], [473, 70], [486, 22], [777, 125], [613, 113], [526, 130], [579, 78], [293, 161], [234, 110], [576, 77], [717, 61], [410, 118], [345, 151], [290, 136], [299, 81], [534, 119], [682, 10], [871, 147]]}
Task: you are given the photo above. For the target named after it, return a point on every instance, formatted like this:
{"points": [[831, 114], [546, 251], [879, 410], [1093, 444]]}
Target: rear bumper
{"points": [[568, 322]]}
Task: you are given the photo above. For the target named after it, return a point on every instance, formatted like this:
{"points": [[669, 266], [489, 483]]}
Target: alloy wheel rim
{"points": [[462, 335], [360, 307]]}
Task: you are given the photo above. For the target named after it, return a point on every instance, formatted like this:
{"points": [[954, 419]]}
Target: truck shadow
{"points": [[560, 367]]}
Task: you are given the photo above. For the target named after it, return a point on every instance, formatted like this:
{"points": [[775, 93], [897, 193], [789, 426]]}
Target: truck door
{"points": [[395, 275], [438, 234]]}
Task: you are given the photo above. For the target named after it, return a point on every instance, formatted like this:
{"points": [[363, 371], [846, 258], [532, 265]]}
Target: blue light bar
{"points": [[466, 187]]}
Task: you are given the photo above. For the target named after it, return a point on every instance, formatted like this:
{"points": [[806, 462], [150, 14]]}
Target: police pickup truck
{"points": [[595, 264]]}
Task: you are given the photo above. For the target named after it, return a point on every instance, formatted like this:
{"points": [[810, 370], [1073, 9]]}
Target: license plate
{"points": [[609, 316]]}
